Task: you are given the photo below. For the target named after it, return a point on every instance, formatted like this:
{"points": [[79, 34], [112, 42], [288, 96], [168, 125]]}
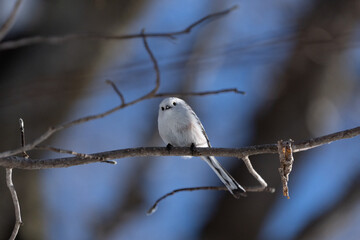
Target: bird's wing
{"points": [[199, 123]]}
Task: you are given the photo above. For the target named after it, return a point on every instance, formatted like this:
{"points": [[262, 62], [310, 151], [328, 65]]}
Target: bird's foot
{"points": [[193, 149], [237, 193], [169, 147]]}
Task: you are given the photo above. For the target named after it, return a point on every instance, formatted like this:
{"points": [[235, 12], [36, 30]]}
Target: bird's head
{"points": [[171, 103]]}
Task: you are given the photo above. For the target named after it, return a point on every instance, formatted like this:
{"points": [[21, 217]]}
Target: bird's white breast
{"points": [[180, 128]]}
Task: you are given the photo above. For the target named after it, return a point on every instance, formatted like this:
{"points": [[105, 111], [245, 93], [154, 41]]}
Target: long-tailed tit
{"points": [[180, 127]]}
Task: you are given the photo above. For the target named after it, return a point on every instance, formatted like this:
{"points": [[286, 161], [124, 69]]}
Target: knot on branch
{"points": [[286, 162]]}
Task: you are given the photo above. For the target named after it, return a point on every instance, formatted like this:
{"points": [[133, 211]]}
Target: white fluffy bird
{"points": [[180, 127]]}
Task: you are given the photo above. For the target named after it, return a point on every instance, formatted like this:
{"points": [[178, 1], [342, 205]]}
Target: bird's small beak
{"points": [[167, 107]]}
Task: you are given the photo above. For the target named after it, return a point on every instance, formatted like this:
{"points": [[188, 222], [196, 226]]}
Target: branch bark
{"points": [[15, 199], [153, 208], [23, 163]]}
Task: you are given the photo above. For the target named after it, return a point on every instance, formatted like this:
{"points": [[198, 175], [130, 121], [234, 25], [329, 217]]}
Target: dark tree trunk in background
{"points": [[40, 83], [284, 116]]}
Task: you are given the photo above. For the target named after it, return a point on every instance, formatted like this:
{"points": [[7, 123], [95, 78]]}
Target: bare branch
{"points": [[121, 96], [235, 90], [71, 37], [208, 17], [154, 207], [11, 186], [254, 173], [22, 163], [156, 66], [248, 189], [22, 136], [19, 162], [5, 28], [15, 199], [158, 95], [80, 155], [316, 142]]}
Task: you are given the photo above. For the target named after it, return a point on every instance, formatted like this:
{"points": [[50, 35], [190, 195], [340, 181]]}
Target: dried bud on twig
{"points": [[286, 161]]}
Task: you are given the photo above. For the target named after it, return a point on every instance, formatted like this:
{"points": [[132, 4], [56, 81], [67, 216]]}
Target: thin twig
{"points": [[155, 64], [158, 95], [22, 163], [254, 173], [316, 142], [15, 199], [208, 17], [121, 96], [80, 155], [5, 28], [71, 37], [153, 208], [235, 90], [11, 186], [22, 136]]}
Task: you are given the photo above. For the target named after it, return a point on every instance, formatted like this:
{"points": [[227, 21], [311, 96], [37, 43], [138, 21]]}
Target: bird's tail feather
{"points": [[234, 188]]}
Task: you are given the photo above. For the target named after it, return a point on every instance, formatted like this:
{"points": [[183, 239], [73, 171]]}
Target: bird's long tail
{"points": [[234, 188]]}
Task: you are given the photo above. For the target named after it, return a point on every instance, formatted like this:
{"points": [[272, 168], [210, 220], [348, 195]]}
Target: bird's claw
{"points": [[193, 149], [169, 147]]}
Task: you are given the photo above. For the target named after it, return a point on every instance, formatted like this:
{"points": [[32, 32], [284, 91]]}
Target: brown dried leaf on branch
{"points": [[286, 161]]}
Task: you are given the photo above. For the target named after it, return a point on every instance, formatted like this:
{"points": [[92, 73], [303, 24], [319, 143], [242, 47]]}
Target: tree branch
{"points": [[5, 28], [254, 173], [80, 155], [316, 142], [22, 163], [156, 67], [118, 92], [11, 186], [15, 199], [22, 136], [71, 37], [234, 90], [153, 208]]}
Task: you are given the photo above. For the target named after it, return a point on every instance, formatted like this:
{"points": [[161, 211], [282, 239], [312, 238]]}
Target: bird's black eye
{"points": [[174, 103], [162, 108]]}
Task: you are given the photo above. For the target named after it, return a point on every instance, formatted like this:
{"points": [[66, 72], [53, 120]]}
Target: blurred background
{"points": [[298, 61]]}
